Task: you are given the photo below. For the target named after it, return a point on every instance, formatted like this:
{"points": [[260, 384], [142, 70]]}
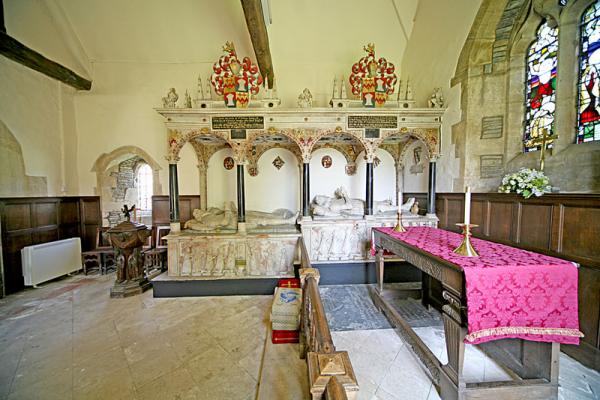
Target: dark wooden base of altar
{"points": [[128, 289]]}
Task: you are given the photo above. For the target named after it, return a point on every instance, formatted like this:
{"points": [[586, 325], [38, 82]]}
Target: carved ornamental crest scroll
{"points": [[373, 79], [234, 80]]}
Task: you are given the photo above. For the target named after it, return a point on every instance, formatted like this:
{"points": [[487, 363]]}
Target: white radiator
{"points": [[46, 261]]}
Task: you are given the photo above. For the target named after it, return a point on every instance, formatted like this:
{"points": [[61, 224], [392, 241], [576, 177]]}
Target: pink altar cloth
{"points": [[511, 293]]}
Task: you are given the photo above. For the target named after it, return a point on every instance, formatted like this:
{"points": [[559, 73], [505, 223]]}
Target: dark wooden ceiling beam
{"points": [[260, 40], [2, 26], [18, 52]]}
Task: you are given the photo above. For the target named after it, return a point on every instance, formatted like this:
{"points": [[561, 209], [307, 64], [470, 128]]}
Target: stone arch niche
{"points": [[400, 145], [114, 195], [344, 149], [273, 159]]}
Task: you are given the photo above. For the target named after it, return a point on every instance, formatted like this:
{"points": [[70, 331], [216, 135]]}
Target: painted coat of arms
{"points": [[228, 163], [373, 79], [234, 80]]}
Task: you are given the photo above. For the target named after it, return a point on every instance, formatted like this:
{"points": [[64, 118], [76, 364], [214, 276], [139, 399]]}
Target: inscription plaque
{"points": [[372, 121], [241, 122], [238, 134], [372, 133]]}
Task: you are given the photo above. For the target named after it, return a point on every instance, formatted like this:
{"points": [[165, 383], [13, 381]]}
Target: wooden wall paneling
{"points": [[11, 257], [45, 213], [536, 225], [28, 221], [161, 212], [454, 213], [20, 216], [68, 218], [185, 211], [589, 320], [500, 220], [90, 221], [478, 217], [44, 236], [581, 232]]}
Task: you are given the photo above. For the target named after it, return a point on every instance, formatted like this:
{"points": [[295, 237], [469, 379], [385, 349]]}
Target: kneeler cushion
{"points": [[285, 313], [289, 283], [279, 337]]}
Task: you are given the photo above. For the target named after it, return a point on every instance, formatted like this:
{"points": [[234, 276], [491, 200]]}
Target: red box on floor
{"points": [[289, 283], [279, 337]]}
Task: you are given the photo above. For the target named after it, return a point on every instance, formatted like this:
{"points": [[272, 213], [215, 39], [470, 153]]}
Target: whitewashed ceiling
{"points": [[318, 32]]}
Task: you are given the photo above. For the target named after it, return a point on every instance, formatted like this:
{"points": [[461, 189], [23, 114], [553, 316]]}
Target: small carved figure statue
{"points": [[170, 100], [186, 266], [437, 98], [127, 211], [120, 267], [415, 208], [305, 99], [134, 265]]}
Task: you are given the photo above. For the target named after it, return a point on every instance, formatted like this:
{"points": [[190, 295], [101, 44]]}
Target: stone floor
{"points": [[68, 340]]}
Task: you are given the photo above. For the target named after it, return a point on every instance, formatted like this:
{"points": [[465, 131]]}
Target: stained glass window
{"points": [[589, 104], [540, 87]]}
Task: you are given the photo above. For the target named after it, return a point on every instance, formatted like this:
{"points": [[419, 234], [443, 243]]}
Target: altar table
{"points": [[516, 304]]}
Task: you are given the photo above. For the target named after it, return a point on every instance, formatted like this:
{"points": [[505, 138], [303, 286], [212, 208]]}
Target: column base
{"points": [[175, 227], [241, 228]]}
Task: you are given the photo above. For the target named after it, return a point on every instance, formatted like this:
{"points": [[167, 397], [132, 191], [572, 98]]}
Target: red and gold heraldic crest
{"points": [[234, 80], [373, 79], [235, 92]]}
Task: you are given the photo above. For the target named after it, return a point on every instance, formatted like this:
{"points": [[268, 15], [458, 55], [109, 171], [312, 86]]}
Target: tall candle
{"points": [[399, 201], [468, 206]]}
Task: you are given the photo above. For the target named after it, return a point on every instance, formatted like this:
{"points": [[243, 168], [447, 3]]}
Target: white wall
{"points": [[39, 112], [273, 188], [416, 182], [188, 176], [221, 184], [326, 180], [439, 33]]}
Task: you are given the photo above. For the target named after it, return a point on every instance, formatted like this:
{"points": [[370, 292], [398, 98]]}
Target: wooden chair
{"points": [[102, 257], [156, 257]]}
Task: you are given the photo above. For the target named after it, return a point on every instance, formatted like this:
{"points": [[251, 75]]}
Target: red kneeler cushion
{"points": [[289, 283], [285, 337]]}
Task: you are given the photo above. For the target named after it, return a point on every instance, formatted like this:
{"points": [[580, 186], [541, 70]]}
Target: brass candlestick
{"points": [[465, 248], [399, 227]]}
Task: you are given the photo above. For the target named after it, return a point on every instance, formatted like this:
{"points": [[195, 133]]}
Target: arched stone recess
{"points": [[13, 180], [106, 163], [260, 142], [338, 132], [429, 137], [177, 139], [349, 144]]}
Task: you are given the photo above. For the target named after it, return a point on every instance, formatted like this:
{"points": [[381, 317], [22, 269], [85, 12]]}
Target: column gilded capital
{"points": [[172, 159]]}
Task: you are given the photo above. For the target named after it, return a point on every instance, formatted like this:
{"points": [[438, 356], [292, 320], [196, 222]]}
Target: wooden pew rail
{"points": [[330, 372]]}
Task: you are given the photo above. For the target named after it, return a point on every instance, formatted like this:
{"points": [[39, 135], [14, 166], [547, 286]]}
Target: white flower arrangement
{"points": [[526, 182]]}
